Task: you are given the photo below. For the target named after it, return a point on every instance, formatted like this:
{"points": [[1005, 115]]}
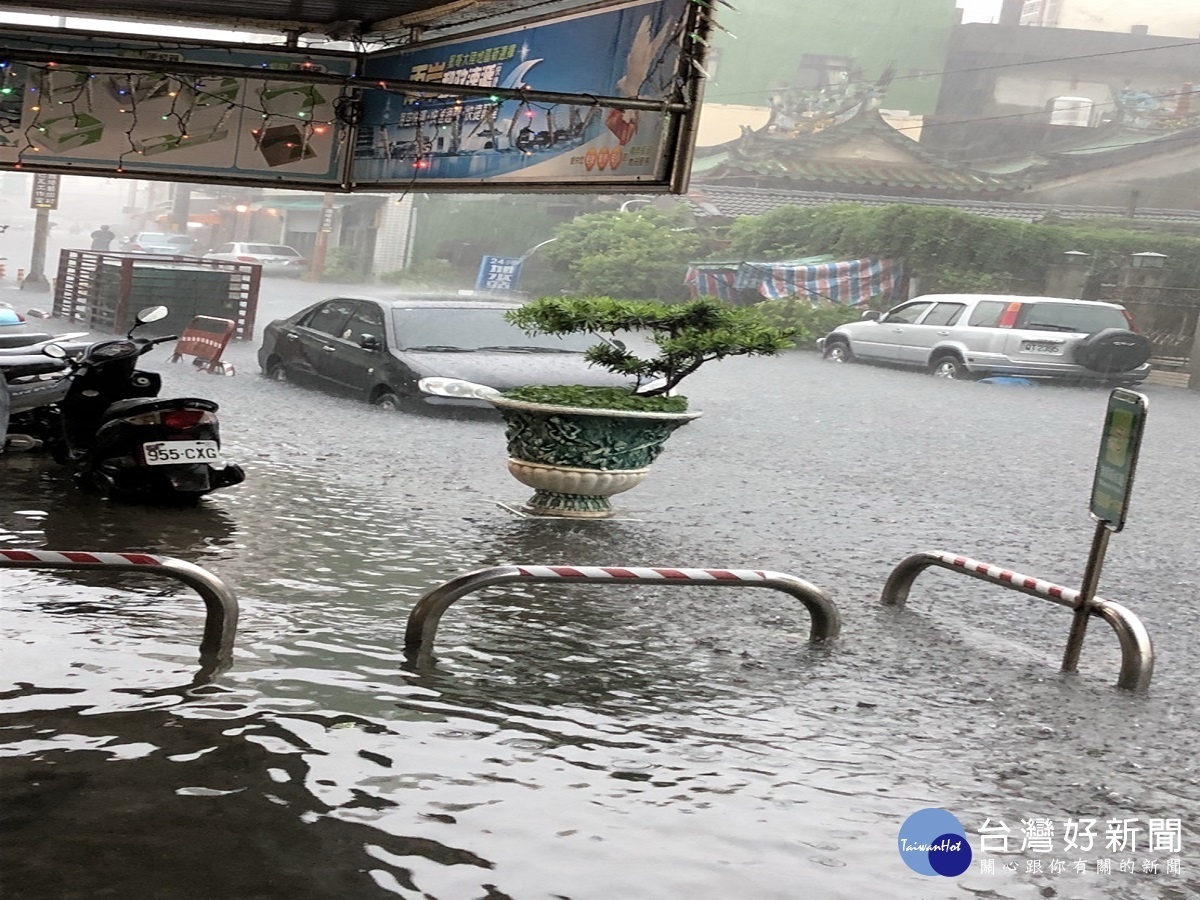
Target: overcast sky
{"points": [[980, 10]]}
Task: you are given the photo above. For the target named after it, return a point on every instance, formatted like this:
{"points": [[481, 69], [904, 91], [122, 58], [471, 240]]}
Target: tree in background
{"points": [[642, 254], [949, 249]]}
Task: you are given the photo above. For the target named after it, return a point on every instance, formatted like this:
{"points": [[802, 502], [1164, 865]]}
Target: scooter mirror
{"points": [[151, 314], [55, 350]]}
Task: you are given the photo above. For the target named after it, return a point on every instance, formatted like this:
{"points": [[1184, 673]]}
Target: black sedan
{"points": [[419, 352]]}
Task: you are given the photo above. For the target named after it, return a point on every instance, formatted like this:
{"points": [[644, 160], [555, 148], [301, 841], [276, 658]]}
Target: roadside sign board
{"points": [[1117, 461], [45, 191], [498, 273]]}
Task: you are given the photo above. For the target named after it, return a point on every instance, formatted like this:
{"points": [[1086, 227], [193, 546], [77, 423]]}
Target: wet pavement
{"points": [[596, 742]]}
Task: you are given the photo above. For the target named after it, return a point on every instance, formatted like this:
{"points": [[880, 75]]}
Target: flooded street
{"points": [[592, 741]]}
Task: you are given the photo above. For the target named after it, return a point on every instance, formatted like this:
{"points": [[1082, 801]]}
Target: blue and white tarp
{"points": [[849, 282]]}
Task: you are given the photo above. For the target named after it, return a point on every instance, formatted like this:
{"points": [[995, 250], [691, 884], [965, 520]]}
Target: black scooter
{"points": [[125, 442]]}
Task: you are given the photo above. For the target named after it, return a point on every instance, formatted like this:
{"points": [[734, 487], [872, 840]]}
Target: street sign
{"points": [[45, 192], [498, 273], [1117, 460]]}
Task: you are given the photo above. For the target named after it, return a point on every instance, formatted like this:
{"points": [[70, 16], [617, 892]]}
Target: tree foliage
{"points": [[687, 335], [950, 249], [638, 254]]}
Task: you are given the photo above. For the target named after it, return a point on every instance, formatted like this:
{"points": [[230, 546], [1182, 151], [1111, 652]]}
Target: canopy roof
{"points": [[341, 19]]}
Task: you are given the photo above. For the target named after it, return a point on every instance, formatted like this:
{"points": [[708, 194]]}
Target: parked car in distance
{"points": [[399, 352], [969, 336], [11, 321], [159, 242], [275, 259]]}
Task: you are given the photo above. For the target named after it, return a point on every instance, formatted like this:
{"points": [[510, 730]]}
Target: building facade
{"points": [[1173, 18]]}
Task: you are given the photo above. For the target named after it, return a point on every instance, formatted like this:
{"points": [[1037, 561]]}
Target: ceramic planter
{"points": [[576, 458]]}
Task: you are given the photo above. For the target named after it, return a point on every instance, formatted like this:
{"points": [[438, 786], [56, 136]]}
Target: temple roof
{"points": [[861, 152]]}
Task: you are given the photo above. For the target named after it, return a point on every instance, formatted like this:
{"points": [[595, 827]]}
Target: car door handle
{"points": [[329, 349], [943, 333], [293, 337], [898, 331]]}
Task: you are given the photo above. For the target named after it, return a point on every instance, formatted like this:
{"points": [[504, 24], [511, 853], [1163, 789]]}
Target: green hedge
{"points": [[953, 250]]}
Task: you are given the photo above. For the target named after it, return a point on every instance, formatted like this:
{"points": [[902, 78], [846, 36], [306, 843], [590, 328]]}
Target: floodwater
{"points": [[593, 741]]}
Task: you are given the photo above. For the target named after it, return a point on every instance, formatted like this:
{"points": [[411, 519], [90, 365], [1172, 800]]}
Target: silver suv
{"points": [[977, 335]]}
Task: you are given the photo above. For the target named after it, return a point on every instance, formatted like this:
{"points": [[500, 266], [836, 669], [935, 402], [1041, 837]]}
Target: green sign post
{"points": [[1115, 466], [1120, 443]]}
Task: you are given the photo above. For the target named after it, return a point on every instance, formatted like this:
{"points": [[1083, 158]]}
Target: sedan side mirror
{"points": [[369, 342], [871, 315]]}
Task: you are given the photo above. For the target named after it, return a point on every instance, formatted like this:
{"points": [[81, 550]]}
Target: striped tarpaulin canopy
{"points": [[712, 281], [851, 282]]}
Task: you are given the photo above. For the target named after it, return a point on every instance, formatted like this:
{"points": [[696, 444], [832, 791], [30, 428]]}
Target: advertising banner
{"points": [[211, 128], [627, 51]]}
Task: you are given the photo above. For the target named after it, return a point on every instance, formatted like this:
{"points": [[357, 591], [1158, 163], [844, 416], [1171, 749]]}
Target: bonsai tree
{"points": [[687, 336]]}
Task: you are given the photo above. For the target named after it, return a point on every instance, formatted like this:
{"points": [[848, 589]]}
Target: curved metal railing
{"points": [[425, 616], [1137, 652], [220, 623]]}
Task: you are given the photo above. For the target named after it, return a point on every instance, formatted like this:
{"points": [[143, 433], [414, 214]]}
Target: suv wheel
{"points": [[1113, 350], [838, 352], [950, 367]]}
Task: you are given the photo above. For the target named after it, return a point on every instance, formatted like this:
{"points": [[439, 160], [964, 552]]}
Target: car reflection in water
{"points": [[381, 350]]}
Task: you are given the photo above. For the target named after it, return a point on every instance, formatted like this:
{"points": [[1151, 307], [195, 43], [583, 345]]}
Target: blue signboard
{"points": [[626, 51], [498, 273]]}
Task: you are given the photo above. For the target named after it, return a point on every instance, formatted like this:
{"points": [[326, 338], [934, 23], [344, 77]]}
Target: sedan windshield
{"points": [[463, 328]]}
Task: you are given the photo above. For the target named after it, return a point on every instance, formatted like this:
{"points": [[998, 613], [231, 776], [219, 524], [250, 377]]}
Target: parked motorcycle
{"points": [[125, 441], [31, 383]]}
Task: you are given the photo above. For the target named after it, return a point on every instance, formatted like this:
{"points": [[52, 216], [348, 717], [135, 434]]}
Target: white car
{"points": [[969, 336], [275, 259]]}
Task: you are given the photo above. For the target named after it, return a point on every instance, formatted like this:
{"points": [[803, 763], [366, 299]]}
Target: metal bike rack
{"points": [[424, 618], [220, 623], [1137, 653]]}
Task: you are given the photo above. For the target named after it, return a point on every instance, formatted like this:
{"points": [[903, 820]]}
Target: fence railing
{"points": [[425, 616], [1137, 652], [221, 605]]}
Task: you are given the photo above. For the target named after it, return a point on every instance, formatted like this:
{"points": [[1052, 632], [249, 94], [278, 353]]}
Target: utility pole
{"points": [[44, 199], [316, 267]]}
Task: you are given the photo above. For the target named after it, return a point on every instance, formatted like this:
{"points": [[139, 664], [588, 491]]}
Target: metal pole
{"points": [[316, 266], [1087, 593], [35, 278]]}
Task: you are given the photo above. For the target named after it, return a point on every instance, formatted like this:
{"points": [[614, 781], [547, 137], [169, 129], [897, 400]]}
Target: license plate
{"points": [[1041, 347], [174, 453]]}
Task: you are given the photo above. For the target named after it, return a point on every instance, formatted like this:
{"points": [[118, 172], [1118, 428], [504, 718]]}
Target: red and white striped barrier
{"points": [[424, 618], [1137, 652], [78, 559], [1035, 586], [220, 623], [642, 575]]}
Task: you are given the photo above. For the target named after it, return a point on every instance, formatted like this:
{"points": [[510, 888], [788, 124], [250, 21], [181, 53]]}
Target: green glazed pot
{"points": [[576, 458]]}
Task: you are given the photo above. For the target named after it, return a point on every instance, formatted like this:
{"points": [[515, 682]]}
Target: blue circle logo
{"points": [[933, 842]]}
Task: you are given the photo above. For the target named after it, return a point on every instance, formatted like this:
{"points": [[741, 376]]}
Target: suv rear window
{"points": [[270, 250], [1080, 317]]}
